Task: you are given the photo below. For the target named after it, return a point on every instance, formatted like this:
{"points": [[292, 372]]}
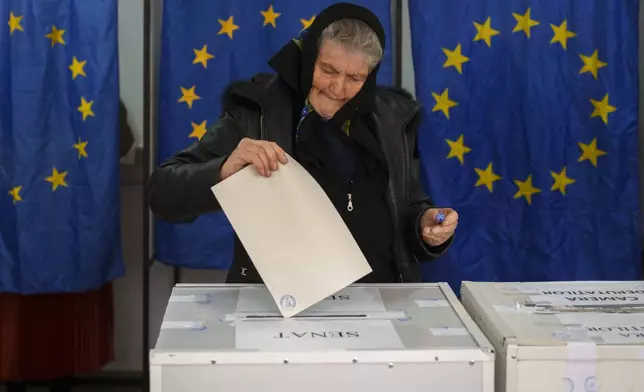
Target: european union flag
{"points": [[59, 173], [530, 133], [206, 45]]}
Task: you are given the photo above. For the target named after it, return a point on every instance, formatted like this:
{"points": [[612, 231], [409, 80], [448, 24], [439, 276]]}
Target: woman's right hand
{"points": [[264, 155]]}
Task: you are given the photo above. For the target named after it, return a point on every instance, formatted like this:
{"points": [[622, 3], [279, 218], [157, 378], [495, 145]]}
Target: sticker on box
{"points": [[192, 325], [516, 308], [432, 303], [447, 331], [197, 298]]}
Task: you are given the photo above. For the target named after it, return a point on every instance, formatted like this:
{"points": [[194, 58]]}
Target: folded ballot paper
{"points": [[293, 234]]}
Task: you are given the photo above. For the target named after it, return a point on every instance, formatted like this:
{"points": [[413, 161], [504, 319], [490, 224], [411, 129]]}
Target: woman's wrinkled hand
{"points": [[265, 156], [433, 231]]}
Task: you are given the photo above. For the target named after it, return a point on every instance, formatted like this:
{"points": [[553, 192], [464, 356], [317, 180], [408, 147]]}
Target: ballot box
{"points": [[562, 336], [414, 337]]}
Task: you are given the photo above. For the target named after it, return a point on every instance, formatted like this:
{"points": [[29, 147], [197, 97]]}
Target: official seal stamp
{"points": [[288, 302], [570, 385], [591, 384]]}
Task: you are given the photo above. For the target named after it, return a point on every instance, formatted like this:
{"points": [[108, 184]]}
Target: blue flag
{"points": [[206, 45], [59, 173], [530, 133]]}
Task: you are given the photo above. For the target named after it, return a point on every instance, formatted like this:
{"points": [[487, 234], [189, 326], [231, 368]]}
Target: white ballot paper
{"points": [[296, 239]]}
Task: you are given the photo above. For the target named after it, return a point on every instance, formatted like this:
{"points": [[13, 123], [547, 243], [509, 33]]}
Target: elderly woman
{"points": [[357, 140]]}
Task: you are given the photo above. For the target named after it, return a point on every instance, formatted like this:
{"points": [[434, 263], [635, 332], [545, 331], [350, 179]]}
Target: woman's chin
{"points": [[328, 114], [326, 111]]}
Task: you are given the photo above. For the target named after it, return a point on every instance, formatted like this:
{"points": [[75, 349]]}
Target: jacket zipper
{"points": [[350, 198]]}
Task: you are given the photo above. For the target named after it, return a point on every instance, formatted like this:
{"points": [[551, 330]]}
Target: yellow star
{"points": [[592, 63], [56, 179], [602, 109], [77, 68], [307, 23], [526, 189], [188, 96], [14, 23], [56, 36], [86, 108], [81, 147], [198, 130], [524, 23], [227, 27], [270, 16], [561, 181], [487, 177], [443, 103], [457, 149], [561, 34], [202, 56], [485, 32], [590, 152], [15, 193], [455, 58]]}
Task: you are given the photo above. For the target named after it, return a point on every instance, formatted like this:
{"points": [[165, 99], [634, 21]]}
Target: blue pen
{"points": [[440, 217]]}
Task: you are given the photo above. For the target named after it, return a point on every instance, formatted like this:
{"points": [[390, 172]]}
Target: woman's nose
{"points": [[336, 87]]}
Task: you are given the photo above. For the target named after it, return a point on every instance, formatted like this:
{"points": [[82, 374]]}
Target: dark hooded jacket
{"points": [[179, 189]]}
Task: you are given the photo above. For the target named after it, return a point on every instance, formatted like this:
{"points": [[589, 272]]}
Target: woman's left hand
{"points": [[435, 233]]}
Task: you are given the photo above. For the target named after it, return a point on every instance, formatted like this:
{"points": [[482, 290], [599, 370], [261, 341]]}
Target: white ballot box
{"points": [[414, 337], [562, 336]]}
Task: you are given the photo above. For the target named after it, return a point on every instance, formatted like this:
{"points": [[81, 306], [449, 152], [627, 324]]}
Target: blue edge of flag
{"points": [[59, 131]]}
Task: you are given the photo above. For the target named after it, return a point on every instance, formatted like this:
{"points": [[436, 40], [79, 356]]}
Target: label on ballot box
{"points": [[590, 298], [611, 328], [304, 335]]}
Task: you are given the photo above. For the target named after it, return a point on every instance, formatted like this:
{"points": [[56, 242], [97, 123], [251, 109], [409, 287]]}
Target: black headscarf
{"points": [[296, 60]]}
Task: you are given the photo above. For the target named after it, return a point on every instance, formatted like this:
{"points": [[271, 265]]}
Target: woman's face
{"points": [[338, 76]]}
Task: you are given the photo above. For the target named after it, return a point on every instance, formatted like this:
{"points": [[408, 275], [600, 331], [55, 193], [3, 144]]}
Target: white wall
{"points": [[128, 304], [130, 26], [128, 295], [407, 63], [161, 276]]}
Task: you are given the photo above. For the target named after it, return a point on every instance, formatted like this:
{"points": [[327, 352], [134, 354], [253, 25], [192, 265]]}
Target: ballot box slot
{"points": [[270, 316], [322, 316]]}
